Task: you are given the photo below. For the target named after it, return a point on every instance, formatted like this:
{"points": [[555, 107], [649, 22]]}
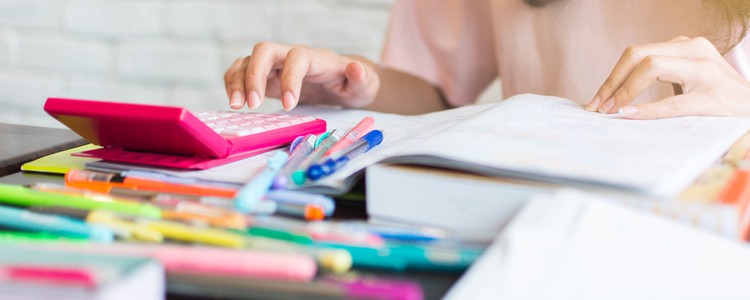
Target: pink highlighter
{"points": [[173, 137]]}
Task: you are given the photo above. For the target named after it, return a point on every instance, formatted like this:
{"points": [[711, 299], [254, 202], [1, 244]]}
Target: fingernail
{"points": [[593, 104], [254, 100], [628, 111], [288, 101], [236, 101], [607, 106]]}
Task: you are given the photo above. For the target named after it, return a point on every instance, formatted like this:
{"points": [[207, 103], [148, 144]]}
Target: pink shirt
{"points": [[565, 49]]}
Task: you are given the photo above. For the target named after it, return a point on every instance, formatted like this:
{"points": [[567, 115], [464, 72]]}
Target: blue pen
{"points": [[359, 147], [249, 195], [300, 175], [299, 151], [26, 220], [295, 197]]}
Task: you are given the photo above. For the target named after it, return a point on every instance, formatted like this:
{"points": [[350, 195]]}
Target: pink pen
{"points": [[362, 128]]}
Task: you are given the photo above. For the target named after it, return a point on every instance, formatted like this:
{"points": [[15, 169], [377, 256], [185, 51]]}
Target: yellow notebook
{"points": [[60, 162]]}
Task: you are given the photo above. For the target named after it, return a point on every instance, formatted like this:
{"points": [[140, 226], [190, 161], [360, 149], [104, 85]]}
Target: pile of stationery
{"points": [[195, 228]]}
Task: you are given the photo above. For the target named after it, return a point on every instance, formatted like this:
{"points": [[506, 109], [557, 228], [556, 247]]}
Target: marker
{"points": [[251, 193], [296, 197], [298, 153], [336, 260], [331, 165], [209, 236], [300, 175], [21, 196], [73, 213], [191, 211], [39, 237], [403, 256], [310, 212], [26, 220], [124, 229], [209, 261], [361, 128], [348, 287], [304, 232], [105, 182]]}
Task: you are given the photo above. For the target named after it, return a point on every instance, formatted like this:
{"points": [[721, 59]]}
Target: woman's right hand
{"points": [[299, 73]]}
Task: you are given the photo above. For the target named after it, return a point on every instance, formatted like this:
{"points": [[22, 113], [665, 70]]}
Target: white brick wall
{"points": [[159, 51]]}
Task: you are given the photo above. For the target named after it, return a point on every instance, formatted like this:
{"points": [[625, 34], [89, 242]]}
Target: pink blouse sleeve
{"points": [[448, 43]]}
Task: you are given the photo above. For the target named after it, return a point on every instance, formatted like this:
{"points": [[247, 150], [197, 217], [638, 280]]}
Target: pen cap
{"points": [[373, 138]]}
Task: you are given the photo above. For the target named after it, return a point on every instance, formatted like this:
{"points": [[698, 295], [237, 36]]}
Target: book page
{"points": [[399, 133], [547, 137]]}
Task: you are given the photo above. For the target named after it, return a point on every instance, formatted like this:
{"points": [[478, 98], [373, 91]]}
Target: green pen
{"points": [[22, 196], [11, 237]]}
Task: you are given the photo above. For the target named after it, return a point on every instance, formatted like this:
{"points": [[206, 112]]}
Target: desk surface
{"points": [[20, 144]]}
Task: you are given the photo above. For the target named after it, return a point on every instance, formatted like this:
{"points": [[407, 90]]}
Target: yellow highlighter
{"points": [[124, 229], [209, 236]]}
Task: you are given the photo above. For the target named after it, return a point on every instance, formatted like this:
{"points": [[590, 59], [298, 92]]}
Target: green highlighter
{"points": [[21, 196], [12, 237]]}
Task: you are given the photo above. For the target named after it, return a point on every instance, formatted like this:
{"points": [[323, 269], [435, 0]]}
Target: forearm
{"points": [[403, 93]]}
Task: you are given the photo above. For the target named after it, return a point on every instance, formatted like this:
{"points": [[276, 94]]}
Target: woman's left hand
{"points": [[705, 84]]}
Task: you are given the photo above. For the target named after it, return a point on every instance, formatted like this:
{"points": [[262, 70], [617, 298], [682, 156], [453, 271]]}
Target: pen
{"points": [[104, 183], [299, 176], [297, 197], [124, 229], [332, 164], [361, 128], [26, 220], [303, 148], [21, 196], [250, 194]]}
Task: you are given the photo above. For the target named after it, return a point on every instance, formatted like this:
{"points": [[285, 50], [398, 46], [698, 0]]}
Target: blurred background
{"points": [[171, 52]]}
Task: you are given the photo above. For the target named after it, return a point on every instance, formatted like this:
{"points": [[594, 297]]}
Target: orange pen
{"points": [[105, 182]]}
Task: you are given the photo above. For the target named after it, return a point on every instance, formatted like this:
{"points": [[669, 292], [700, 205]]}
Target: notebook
{"points": [[174, 137]]}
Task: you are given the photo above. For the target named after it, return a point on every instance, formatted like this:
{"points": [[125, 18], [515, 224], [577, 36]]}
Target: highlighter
{"points": [[104, 183], [21, 196], [26, 220]]}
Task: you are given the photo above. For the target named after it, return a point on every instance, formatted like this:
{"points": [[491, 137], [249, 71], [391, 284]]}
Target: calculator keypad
{"points": [[236, 124]]}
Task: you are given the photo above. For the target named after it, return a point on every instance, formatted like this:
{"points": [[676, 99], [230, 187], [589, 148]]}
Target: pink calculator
{"points": [[174, 137]]}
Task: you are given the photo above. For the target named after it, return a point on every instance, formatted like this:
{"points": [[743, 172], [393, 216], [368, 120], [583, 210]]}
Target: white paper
{"points": [[576, 245], [555, 137]]}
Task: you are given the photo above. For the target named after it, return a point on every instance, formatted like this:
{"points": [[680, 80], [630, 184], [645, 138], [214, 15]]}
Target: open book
{"points": [[529, 137]]}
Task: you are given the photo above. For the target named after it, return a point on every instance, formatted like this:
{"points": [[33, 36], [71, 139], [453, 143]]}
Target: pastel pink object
{"points": [[165, 130], [362, 128], [210, 261]]}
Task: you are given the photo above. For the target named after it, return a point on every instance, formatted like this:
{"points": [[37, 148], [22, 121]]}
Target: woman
{"points": [[442, 54]]}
